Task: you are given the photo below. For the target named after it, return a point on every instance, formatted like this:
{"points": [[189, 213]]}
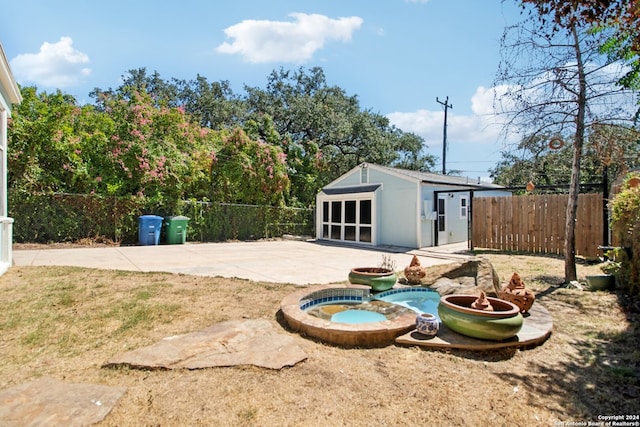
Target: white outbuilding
{"points": [[376, 205]]}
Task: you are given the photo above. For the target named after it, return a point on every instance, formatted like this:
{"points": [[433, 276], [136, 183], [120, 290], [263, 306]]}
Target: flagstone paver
{"points": [[49, 402], [235, 342]]}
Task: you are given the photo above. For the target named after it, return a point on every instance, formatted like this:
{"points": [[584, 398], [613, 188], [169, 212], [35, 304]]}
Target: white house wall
{"points": [[351, 178], [395, 205], [457, 227], [9, 95], [397, 224]]}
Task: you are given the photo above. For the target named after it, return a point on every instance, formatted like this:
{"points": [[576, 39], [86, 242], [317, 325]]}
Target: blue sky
{"points": [[397, 56]]}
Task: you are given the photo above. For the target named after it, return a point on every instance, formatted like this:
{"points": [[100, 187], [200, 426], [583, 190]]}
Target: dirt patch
{"points": [[81, 243], [66, 322]]}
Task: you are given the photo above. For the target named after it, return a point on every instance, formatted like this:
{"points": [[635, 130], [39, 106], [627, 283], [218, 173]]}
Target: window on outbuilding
{"points": [[364, 175], [464, 207]]}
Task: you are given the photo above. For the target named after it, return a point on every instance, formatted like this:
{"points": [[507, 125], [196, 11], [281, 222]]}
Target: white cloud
{"points": [[478, 128], [56, 65], [279, 41], [483, 126]]}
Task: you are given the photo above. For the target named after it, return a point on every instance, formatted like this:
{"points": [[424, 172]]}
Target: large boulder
{"points": [[468, 276]]}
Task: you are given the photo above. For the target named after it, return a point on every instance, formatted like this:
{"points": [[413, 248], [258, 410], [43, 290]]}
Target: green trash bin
{"points": [[176, 227]]}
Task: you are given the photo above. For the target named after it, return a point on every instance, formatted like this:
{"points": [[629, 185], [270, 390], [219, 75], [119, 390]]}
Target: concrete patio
{"points": [[278, 261]]}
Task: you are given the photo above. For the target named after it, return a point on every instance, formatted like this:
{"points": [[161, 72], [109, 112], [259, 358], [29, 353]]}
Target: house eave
{"points": [[7, 81]]}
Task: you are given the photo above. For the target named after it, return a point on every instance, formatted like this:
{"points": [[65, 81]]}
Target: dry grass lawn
{"points": [[66, 322]]}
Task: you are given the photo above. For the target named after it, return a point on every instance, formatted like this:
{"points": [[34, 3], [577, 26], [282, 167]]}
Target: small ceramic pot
{"points": [[427, 324], [516, 293]]}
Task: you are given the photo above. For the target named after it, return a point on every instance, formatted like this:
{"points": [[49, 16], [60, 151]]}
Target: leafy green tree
{"points": [[212, 105], [42, 144], [409, 151], [249, 171], [625, 208], [325, 132], [533, 160], [615, 147], [150, 148], [91, 166], [136, 81]]}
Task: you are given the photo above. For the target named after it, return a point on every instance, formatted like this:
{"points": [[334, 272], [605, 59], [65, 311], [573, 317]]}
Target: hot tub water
{"points": [[368, 308], [420, 300]]}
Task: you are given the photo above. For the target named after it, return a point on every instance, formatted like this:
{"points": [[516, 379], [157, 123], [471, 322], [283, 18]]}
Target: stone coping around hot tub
{"points": [[371, 334], [403, 290], [335, 295]]}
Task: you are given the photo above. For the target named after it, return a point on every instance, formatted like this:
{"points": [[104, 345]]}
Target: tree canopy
{"points": [[616, 148], [176, 139], [621, 17]]}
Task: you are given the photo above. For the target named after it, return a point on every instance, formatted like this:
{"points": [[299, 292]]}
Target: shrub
{"points": [[45, 218], [625, 209]]}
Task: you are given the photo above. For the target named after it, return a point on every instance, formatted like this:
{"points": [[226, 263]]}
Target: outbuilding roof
{"points": [[434, 178], [351, 189]]}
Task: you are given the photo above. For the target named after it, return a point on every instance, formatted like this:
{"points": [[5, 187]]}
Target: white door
{"points": [[442, 220], [348, 220]]}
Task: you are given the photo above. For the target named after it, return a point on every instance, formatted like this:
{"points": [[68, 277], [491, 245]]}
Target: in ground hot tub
{"points": [[346, 316]]}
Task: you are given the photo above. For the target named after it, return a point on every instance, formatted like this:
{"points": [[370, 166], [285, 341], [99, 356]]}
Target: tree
{"points": [[621, 17], [43, 147], [324, 132], [558, 82], [212, 105], [136, 81], [616, 148], [610, 151], [249, 171], [533, 160]]}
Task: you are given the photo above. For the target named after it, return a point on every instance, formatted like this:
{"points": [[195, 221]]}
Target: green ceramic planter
{"points": [[380, 279], [503, 323], [603, 282]]}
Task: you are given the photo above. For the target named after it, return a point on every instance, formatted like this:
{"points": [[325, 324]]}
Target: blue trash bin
{"points": [[149, 227]]}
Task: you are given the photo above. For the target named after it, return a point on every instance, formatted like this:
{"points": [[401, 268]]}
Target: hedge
{"points": [[46, 218]]}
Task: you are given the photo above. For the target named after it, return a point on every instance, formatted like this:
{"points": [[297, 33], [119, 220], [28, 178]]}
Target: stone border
{"points": [[373, 334]]}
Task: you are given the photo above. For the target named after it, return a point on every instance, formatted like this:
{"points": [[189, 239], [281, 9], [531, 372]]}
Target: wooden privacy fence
{"points": [[536, 223]]}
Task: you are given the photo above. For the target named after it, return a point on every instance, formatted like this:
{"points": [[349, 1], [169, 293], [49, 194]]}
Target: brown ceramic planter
{"points": [[518, 294]]}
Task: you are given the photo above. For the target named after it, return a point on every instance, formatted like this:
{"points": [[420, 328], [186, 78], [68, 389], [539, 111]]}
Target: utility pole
{"points": [[446, 107]]}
